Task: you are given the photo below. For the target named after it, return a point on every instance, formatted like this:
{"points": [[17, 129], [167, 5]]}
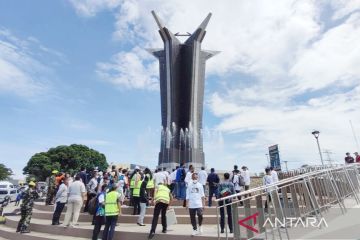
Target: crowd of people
{"points": [[103, 194]]}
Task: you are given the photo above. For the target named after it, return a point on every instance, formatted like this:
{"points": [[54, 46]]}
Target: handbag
{"points": [[171, 217]]}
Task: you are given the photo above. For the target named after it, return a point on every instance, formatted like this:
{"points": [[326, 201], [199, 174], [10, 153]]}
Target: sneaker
{"points": [[200, 229], [164, 231], [222, 231], [195, 232]]}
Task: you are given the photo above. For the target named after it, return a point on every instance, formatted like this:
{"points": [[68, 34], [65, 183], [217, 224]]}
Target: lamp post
{"points": [[286, 166], [316, 135]]}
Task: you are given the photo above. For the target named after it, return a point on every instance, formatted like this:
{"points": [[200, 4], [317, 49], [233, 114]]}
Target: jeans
{"points": [[58, 210], [109, 229], [159, 207], [193, 212], [181, 190], [73, 210], [136, 202], [142, 213], [212, 191], [98, 222], [222, 216]]}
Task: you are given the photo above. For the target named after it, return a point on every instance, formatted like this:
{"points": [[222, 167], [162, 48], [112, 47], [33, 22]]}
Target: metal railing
{"points": [[307, 193]]}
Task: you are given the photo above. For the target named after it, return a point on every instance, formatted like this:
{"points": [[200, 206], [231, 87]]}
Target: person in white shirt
{"points": [[91, 189], [189, 174], [159, 177], [246, 175], [203, 177], [121, 185], [173, 180], [167, 175], [76, 196], [173, 175], [274, 175], [195, 199], [60, 200], [268, 180], [237, 185]]}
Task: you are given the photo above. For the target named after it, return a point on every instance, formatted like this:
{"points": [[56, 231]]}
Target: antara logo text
{"points": [[309, 222]]}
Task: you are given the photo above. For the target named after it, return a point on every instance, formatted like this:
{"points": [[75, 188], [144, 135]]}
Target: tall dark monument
{"points": [[182, 72]]}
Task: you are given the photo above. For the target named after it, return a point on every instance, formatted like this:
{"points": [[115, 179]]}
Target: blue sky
{"points": [[77, 72]]}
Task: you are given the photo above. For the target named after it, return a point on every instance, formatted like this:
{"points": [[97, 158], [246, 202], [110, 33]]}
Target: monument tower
{"points": [[182, 73]]}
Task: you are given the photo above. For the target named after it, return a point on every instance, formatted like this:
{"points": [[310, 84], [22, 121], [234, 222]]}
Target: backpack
{"points": [[92, 205], [240, 181], [180, 175]]}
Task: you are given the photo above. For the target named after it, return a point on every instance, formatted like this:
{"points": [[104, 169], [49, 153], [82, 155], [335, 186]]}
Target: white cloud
{"points": [[332, 60], [344, 7], [285, 68], [133, 69], [21, 71], [261, 38]]}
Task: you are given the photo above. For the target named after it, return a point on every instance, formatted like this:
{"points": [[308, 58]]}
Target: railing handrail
{"points": [[286, 181]]}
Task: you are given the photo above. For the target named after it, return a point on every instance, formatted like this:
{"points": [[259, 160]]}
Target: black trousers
{"points": [[159, 207], [222, 216], [58, 210], [131, 202], [89, 197], [266, 203], [136, 202], [239, 197], [98, 222], [212, 191], [193, 212]]}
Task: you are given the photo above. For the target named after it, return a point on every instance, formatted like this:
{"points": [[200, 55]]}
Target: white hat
{"points": [[137, 168]]}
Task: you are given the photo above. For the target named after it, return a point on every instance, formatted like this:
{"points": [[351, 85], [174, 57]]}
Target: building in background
{"points": [[275, 157]]}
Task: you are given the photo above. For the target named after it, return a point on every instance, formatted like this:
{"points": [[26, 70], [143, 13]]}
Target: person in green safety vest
{"points": [[162, 202], [134, 177], [150, 187], [136, 197], [112, 211]]}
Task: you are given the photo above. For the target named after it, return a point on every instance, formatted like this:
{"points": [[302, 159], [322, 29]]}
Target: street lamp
{"points": [[316, 135]]}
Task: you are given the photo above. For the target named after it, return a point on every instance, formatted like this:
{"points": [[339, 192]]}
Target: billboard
{"points": [[274, 157]]}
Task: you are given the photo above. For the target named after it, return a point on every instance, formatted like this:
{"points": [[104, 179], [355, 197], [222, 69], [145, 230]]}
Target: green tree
{"points": [[64, 158], [5, 172]]}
